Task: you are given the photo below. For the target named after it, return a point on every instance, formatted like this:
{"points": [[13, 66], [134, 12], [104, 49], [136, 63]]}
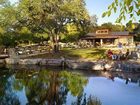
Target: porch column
{"points": [[101, 42], [93, 42], [118, 40]]}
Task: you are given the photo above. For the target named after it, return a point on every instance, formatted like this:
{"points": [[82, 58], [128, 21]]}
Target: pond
{"points": [[66, 87]]}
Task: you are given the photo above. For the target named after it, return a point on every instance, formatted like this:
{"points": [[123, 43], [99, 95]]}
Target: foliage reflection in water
{"points": [[44, 87]]}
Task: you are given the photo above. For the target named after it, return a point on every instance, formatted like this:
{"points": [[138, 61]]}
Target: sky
{"points": [[97, 7]]}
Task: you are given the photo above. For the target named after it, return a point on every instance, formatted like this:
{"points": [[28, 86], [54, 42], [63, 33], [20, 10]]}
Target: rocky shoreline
{"points": [[100, 65]]}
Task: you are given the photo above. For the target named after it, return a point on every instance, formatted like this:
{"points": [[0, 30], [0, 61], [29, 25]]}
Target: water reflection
{"points": [[127, 76], [51, 87], [43, 87]]}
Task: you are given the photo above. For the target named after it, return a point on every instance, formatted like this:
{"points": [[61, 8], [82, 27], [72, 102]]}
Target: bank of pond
{"points": [[100, 65]]}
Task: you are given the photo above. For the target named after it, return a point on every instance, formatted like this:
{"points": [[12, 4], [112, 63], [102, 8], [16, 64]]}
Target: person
{"points": [[120, 45], [127, 54], [120, 55], [111, 55]]}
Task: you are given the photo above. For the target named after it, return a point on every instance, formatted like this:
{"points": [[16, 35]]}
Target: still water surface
{"points": [[67, 87]]}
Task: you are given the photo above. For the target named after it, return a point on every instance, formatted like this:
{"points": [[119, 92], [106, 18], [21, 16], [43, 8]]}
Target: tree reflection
{"points": [[44, 87], [52, 87], [93, 101]]}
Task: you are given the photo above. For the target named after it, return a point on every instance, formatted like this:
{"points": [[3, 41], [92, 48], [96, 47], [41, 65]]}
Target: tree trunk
{"points": [[55, 41], [56, 47]]}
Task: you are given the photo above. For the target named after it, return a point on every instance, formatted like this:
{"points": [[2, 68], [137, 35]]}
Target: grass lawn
{"points": [[86, 53]]}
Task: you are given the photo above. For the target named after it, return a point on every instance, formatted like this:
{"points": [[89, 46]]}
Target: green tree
{"points": [[126, 7], [134, 28], [7, 15], [7, 18], [137, 29], [112, 27], [72, 33], [51, 16], [131, 26]]}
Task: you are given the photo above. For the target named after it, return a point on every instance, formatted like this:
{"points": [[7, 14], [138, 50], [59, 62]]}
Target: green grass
{"points": [[87, 53]]}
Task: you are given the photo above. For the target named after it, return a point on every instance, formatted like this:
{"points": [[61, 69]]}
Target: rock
{"points": [[74, 66], [22, 62], [11, 61], [98, 67], [79, 65], [108, 66]]}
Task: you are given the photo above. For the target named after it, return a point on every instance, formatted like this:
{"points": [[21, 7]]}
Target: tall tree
{"points": [[93, 20], [51, 16], [93, 23]]}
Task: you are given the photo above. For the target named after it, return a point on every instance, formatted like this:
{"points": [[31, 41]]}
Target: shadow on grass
{"points": [[89, 53], [70, 54]]}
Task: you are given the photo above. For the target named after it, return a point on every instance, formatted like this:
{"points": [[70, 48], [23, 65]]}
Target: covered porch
{"points": [[104, 41], [101, 41]]}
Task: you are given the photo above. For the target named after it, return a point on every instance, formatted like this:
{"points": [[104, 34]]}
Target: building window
{"points": [[102, 31]]}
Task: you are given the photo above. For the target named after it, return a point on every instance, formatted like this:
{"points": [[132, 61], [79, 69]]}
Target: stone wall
{"points": [[51, 62], [72, 64], [127, 66]]}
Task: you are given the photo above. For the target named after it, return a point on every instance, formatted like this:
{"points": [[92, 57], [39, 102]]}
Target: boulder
{"points": [[98, 67], [108, 66], [11, 61]]}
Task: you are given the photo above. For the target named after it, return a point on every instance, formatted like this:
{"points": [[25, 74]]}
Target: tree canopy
{"points": [[51, 16], [47, 17], [30, 20], [113, 27]]}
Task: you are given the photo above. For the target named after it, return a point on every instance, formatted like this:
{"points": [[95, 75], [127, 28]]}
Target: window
{"points": [[102, 31]]}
